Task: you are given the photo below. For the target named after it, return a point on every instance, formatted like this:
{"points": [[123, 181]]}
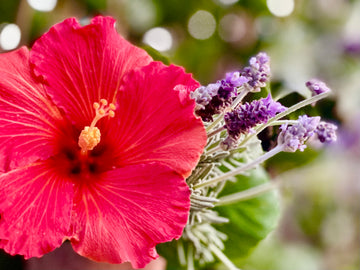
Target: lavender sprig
{"points": [[244, 118], [317, 87], [233, 126], [326, 132], [293, 138], [258, 73], [215, 98]]}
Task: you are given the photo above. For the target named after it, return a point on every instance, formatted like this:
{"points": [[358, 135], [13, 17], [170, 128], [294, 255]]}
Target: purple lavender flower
{"points": [[326, 132], [258, 72], [229, 143], [215, 98], [293, 137], [204, 94], [235, 79], [317, 87], [248, 115]]}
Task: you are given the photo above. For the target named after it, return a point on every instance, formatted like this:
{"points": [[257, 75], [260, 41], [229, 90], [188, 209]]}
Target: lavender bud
{"points": [[248, 115], [326, 132], [258, 72], [235, 79], [229, 143], [222, 95], [317, 87], [204, 94], [293, 137]]}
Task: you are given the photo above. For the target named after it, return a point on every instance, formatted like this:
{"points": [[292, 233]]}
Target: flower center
{"points": [[90, 135]]}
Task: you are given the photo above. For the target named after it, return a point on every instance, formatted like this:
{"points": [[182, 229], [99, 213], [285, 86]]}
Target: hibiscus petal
{"points": [[156, 120], [83, 64], [126, 212], [35, 207], [30, 123]]}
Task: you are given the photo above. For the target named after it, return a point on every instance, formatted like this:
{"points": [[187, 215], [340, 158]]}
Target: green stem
{"points": [[242, 169], [281, 122], [247, 194], [222, 257], [190, 258], [181, 252], [239, 98], [216, 131], [213, 150]]}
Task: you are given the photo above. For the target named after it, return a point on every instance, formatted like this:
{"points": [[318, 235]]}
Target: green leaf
{"points": [[156, 55], [169, 252], [251, 220]]}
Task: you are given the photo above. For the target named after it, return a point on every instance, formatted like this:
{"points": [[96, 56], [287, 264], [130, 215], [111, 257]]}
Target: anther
{"points": [[90, 135], [96, 105], [101, 111], [112, 106]]}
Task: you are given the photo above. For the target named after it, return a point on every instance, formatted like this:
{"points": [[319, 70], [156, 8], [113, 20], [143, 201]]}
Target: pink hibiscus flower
{"points": [[96, 140]]}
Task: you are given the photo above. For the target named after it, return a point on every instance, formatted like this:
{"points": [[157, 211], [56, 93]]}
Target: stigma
{"points": [[90, 135]]}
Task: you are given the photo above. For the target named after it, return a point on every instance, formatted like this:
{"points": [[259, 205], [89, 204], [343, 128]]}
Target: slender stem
{"points": [[181, 252], [222, 257], [239, 98], [242, 169], [190, 258], [216, 131], [247, 194], [281, 122], [214, 123], [282, 114], [213, 150]]}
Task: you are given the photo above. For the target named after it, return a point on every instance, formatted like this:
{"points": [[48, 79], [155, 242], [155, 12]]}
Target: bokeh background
{"points": [[320, 224]]}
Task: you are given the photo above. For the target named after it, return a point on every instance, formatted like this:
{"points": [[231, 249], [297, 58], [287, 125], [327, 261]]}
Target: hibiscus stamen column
{"points": [[90, 135]]}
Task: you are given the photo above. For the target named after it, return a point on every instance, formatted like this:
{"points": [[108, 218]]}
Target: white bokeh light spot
{"points": [[228, 2], [202, 25], [10, 37], [159, 38], [232, 28], [43, 5], [281, 8], [140, 14]]}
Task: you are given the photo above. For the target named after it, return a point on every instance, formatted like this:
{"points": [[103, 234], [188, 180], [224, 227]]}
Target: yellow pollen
{"points": [[96, 105], [89, 138], [101, 111], [90, 135]]}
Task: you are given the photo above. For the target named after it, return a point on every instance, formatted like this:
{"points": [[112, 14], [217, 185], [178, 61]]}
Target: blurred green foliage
{"points": [[8, 10], [251, 220], [310, 42]]}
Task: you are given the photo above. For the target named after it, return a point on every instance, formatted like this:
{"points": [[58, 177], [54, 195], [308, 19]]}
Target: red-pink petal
{"points": [[29, 123], [35, 207], [81, 65], [156, 121], [127, 211]]}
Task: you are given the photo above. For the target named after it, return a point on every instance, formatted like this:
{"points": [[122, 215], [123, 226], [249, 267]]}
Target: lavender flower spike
{"points": [[246, 116], [215, 98], [317, 87], [326, 132], [258, 73], [235, 79], [292, 138], [204, 94]]}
